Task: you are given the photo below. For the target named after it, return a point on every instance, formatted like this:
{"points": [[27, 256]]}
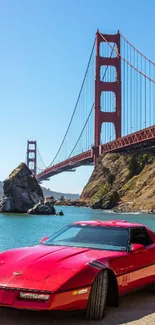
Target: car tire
{"points": [[97, 298]]}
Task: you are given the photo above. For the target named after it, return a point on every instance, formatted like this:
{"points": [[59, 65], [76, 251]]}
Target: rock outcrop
{"points": [[108, 201], [75, 203], [21, 191], [124, 182], [44, 208]]}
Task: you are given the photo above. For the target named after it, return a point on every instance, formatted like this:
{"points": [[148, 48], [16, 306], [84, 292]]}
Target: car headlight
{"points": [[34, 296]]}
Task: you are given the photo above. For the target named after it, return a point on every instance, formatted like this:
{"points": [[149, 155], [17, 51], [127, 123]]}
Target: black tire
{"points": [[97, 298]]}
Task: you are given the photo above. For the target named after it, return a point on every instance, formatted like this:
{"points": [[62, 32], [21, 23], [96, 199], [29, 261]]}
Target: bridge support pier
{"points": [[103, 86], [32, 156]]}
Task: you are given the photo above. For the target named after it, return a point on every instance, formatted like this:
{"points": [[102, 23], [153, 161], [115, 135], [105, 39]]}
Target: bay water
{"points": [[26, 230]]}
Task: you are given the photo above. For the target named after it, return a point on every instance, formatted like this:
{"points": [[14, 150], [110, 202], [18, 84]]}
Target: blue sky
{"points": [[44, 49]]}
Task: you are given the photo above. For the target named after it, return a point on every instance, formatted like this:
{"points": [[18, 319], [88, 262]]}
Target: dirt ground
{"points": [[135, 309]]}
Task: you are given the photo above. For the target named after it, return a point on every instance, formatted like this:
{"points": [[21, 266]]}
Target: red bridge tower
{"points": [[100, 86], [32, 156]]}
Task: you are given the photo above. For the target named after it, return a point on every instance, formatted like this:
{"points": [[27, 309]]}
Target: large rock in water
{"points": [[43, 208], [21, 191]]}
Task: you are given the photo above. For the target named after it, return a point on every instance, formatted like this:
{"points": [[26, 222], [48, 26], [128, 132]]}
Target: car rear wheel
{"points": [[97, 298]]}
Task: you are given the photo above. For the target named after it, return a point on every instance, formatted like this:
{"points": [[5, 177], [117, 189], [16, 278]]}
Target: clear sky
{"points": [[44, 49]]}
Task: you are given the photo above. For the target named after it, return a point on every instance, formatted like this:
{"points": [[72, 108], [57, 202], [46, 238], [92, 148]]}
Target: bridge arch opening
{"points": [[108, 101], [107, 132], [108, 50], [108, 74]]}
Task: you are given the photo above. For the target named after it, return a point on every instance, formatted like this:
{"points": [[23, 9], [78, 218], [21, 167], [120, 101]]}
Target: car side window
{"points": [[140, 236]]}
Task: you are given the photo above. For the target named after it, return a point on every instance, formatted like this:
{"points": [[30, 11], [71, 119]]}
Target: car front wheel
{"points": [[97, 298]]}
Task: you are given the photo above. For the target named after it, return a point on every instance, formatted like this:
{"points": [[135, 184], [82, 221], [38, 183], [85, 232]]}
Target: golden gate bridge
{"points": [[114, 110]]}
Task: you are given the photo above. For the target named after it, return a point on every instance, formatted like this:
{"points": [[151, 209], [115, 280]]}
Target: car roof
{"points": [[110, 223]]}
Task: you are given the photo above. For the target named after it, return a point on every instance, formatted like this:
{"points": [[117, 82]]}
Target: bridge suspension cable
{"points": [[129, 63], [138, 89], [106, 69], [41, 157], [40, 166], [136, 49], [82, 86]]}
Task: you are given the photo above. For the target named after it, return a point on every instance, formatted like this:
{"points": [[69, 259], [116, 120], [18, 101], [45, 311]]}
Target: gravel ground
{"points": [[135, 309]]}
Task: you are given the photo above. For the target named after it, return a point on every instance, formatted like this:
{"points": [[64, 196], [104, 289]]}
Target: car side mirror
{"points": [[136, 247], [43, 239]]}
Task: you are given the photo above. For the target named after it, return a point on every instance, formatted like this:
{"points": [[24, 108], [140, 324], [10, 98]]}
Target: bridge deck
{"points": [[85, 158], [142, 138]]}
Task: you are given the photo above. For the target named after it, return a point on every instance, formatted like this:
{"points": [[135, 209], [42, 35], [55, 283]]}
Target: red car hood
{"points": [[51, 264]]}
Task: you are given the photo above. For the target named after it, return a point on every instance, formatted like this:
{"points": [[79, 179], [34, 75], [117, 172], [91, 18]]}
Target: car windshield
{"points": [[96, 237]]}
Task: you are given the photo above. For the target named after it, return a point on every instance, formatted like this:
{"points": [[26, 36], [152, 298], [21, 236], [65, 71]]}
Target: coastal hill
{"points": [[57, 195], [48, 192], [125, 182]]}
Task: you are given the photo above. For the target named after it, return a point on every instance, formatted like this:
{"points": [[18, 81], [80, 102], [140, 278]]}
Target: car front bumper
{"points": [[70, 300]]}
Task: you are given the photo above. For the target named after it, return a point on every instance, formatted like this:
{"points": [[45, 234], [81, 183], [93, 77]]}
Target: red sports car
{"points": [[86, 265]]}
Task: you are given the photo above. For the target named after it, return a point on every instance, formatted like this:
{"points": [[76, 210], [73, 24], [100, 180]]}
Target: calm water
{"points": [[24, 230]]}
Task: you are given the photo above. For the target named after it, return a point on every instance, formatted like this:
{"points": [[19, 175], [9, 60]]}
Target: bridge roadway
{"points": [[143, 138]]}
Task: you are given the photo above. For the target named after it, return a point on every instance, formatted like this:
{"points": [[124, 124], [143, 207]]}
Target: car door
{"points": [[142, 261]]}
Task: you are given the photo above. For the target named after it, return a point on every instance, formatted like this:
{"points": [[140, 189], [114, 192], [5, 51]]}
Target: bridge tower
{"points": [[102, 86], [32, 156]]}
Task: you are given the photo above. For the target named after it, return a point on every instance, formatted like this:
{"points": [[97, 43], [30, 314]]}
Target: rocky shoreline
{"points": [[120, 208], [75, 203]]}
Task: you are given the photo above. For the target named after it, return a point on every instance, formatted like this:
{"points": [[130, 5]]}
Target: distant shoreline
{"points": [[120, 208]]}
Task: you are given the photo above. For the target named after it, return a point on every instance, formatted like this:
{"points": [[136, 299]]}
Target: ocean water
{"points": [[27, 230]]}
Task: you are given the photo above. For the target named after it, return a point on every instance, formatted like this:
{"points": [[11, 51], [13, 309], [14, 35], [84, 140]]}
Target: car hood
{"points": [[54, 264]]}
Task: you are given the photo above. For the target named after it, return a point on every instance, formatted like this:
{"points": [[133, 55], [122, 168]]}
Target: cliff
{"points": [[125, 182]]}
